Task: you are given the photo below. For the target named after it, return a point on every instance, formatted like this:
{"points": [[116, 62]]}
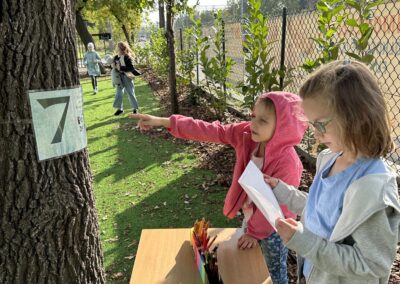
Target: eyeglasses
{"points": [[320, 126]]}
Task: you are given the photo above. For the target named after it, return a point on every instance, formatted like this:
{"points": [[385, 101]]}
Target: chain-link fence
{"points": [[298, 27]]}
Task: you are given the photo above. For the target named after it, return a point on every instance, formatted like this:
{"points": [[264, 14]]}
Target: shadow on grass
{"points": [[133, 151], [137, 153], [177, 205], [142, 181]]}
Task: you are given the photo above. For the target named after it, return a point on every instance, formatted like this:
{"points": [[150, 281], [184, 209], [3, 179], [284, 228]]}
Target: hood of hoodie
{"points": [[290, 123], [279, 150]]}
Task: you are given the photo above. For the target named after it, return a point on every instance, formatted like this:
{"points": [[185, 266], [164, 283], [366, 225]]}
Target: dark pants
{"points": [[94, 82]]}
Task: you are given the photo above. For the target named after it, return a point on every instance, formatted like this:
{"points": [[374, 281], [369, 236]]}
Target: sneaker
{"points": [[134, 110], [95, 90], [118, 112]]}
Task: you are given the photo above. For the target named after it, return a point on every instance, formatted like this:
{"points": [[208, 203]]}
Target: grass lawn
{"points": [[141, 181]]}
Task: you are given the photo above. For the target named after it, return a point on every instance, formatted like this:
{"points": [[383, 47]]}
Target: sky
{"points": [[154, 15]]}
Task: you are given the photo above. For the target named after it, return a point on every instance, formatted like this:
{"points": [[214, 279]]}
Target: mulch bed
{"points": [[221, 158]]}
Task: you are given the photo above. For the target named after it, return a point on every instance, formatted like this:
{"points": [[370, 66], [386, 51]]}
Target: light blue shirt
{"points": [[91, 61], [325, 199]]}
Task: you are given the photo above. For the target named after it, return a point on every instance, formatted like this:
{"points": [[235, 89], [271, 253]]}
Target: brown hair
{"points": [[267, 102], [125, 48], [358, 106]]}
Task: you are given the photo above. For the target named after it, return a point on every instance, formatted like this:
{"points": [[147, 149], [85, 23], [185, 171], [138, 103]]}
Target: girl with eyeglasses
{"points": [[349, 228]]}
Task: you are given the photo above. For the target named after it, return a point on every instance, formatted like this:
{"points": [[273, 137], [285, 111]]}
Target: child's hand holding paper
{"points": [[286, 228], [252, 181], [271, 181]]}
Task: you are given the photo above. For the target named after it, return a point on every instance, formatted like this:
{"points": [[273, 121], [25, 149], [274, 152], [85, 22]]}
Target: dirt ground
{"points": [[221, 158]]}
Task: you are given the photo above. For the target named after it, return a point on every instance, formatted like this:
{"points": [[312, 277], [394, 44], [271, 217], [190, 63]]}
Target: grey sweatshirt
{"points": [[363, 244]]}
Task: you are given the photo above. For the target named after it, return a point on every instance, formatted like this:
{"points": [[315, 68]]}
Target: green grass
{"points": [[140, 181]]}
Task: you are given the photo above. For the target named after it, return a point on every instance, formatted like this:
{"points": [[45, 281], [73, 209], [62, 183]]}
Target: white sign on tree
{"points": [[58, 122]]}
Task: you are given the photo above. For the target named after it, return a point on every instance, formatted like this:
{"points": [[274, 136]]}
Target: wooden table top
{"points": [[166, 256]]}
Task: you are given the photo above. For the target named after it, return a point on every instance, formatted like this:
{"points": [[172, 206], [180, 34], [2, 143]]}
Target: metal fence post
{"points": [[283, 47], [223, 51], [197, 66]]}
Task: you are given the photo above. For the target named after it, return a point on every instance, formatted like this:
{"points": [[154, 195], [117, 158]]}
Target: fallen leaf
{"points": [[133, 243], [118, 276], [112, 240]]}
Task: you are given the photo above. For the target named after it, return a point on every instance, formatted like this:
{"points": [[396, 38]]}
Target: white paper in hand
{"points": [[252, 181]]}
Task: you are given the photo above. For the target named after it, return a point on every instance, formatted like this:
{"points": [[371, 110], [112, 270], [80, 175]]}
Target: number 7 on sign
{"points": [[45, 103]]}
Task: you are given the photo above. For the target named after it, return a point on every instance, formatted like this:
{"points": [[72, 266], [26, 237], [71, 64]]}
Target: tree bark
{"points": [[172, 64], [128, 40], [82, 30], [48, 222], [161, 14]]}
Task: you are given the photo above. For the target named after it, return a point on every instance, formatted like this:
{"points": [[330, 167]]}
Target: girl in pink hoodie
{"points": [[268, 140]]}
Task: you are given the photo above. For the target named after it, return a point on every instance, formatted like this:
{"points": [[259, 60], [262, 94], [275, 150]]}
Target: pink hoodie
{"points": [[281, 160]]}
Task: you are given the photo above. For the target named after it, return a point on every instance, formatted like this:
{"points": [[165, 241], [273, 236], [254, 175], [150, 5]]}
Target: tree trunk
{"points": [[161, 14], [82, 30], [48, 222], [84, 34], [172, 64], [128, 40]]}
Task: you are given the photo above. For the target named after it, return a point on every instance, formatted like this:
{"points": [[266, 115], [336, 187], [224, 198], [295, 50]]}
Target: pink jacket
{"points": [[281, 160]]}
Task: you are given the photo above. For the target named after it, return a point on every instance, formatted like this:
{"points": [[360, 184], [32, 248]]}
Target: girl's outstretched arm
{"points": [[188, 128], [148, 121]]}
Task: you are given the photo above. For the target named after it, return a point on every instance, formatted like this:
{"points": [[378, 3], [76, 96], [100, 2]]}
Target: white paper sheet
{"points": [[252, 181]]}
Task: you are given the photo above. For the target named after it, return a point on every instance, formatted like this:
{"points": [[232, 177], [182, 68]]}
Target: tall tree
{"points": [[171, 51], [127, 14], [173, 7], [81, 27], [48, 223], [161, 14]]}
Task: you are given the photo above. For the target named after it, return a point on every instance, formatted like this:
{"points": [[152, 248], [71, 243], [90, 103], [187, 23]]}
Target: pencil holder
{"points": [[205, 258]]}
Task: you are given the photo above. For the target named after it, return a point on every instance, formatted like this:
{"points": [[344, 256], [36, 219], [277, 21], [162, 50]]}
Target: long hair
{"points": [[358, 106], [124, 47]]}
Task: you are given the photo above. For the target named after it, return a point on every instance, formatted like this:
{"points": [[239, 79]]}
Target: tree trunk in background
{"points": [[84, 34], [172, 64], [82, 29], [128, 40], [48, 222], [161, 14]]}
